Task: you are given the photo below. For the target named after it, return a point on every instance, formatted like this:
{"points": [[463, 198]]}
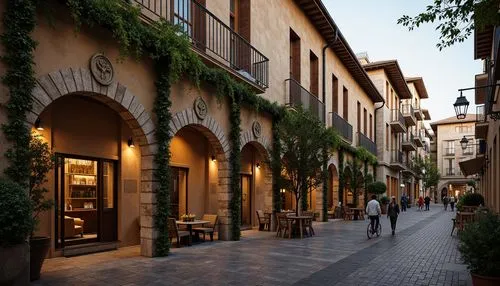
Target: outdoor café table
{"points": [[357, 212], [300, 220], [190, 224]]}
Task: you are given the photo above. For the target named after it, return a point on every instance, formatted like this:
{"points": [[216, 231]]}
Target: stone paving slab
{"points": [[340, 254]]}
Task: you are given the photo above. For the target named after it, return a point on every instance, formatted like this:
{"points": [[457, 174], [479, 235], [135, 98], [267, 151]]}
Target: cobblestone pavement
{"points": [[421, 253]]}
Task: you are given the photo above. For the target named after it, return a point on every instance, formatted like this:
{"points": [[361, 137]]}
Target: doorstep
{"points": [[88, 248]]}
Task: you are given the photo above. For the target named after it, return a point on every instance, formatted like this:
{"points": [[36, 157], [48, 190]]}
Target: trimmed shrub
{"points": [[377, 188], [16, 220]]}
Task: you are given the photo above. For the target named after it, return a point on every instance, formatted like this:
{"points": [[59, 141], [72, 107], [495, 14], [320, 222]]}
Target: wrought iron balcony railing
{"points": [[366, 143], [397, 116], [211, 37], [396, 157], [342, 126], [449, 151], [299, 96]]}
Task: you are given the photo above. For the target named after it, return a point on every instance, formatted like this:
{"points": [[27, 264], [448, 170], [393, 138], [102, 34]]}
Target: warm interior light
{"points": [[402, 185], [131, 142], [214, 159], [38, 124], [258, 165]]}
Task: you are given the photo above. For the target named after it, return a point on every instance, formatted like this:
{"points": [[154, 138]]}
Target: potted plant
{"points": [[383, 204], [480, 249], [15, 226], [42, 161], [470, 199]]}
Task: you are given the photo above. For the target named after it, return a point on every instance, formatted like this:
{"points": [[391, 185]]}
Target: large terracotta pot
{"points": [[15, 265], [478, 280], [39, 249]]}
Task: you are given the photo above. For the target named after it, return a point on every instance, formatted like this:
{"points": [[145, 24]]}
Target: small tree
{"points": [[42, 161], [431, 176], [377, 188], [457, 18], [356, 181], [304, 139]]}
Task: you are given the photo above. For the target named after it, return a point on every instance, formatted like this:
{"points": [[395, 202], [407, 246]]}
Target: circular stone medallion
{"points": [[257, 129], [101, 69], [200, 108]]}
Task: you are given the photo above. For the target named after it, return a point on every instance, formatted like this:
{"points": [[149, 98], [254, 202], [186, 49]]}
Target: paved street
{"points": [[421, 253]]}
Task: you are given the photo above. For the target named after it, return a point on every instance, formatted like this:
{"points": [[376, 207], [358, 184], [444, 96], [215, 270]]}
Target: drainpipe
{"points": [[324, 70], [375, 131]]}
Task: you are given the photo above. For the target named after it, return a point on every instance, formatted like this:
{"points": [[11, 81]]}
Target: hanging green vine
{"points": [[235, 162], [325, 185], [341, 175], [276, 166], [19, 21]]}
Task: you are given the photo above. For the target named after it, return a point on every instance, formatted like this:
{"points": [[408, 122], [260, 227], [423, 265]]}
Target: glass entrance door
{"points": [[85, 200], [246, 211]]}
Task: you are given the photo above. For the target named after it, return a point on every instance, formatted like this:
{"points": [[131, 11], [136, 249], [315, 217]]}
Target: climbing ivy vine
{"points": [[19, 21]]}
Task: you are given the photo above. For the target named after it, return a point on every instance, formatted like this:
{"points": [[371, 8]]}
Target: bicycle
{"points": [[371, 233]]}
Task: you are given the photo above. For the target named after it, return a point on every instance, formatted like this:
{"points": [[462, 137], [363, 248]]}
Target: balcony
{"points": [[397, 160], [212, 39], [468, 151], [407, 143], [408, 163], [419, 115], [481, 148], [397, 121], [450, 172], [448, 151], [342, 126], [409, 114], [481, 130], [419, 138], [299, 96], [366, 143]]}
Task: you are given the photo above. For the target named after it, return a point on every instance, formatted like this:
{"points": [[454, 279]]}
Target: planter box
{"points": [[478, 280]]}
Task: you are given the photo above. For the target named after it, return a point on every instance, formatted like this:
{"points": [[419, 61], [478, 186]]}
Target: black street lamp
{"points": [[464, 143], [461, 106]]}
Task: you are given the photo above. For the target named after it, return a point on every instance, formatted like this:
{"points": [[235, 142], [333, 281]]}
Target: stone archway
{"points": [[118, 97], [214, 133]]}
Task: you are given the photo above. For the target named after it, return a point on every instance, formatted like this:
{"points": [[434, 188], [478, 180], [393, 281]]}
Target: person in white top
{"points": [[373, 210]]}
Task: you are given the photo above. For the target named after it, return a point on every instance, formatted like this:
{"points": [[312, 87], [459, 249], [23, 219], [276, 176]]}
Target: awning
{"points": [[472, 166]]}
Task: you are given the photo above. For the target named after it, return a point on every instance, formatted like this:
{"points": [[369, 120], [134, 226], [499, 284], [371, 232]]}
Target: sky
{"points": [[371, 26]]}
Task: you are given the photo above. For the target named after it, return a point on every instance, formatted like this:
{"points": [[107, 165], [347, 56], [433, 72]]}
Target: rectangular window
{"points": [[365, 129], [392, 99], [387, 136], [314, 81], [358, 117], [335, 94], [388, 184], [371, 127], [345, 103], [449, 148], [294, 56]]}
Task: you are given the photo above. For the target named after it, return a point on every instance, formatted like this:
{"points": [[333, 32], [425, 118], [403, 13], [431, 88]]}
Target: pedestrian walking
{"points": [[452, 203], [420, 203], [392, 213], [404, 202], [427, 202], [445, 202]]}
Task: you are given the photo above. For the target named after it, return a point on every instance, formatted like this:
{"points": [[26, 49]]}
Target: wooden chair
{"points": [[174, 232], [348, 213], [284, 225], [208, 228], [308, 223], [264, 221]]}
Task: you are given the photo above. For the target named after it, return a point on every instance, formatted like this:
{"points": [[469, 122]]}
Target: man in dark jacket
{"points": [[392, 213], [427, 201]]}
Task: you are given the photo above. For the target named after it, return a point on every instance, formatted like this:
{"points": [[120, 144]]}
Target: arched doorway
{"points": [[95, 132], [255, 183], [348, 194], [333, 187]]}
